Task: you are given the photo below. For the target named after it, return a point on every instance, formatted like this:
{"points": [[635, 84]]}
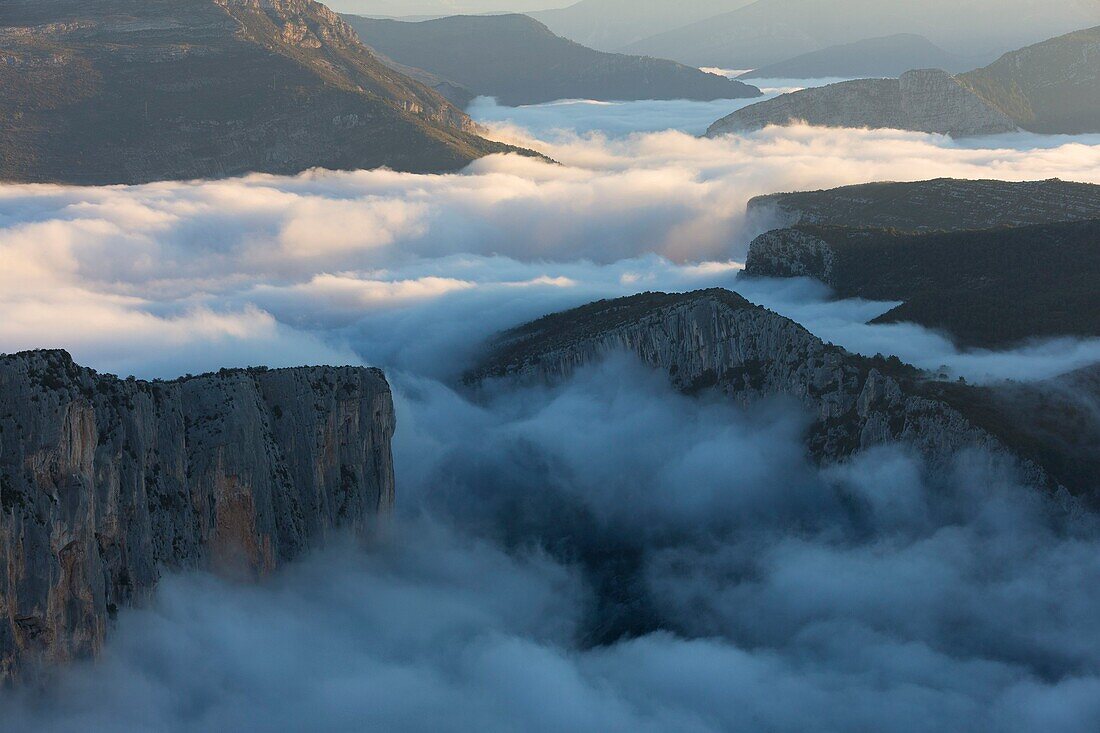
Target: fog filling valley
{"points": [[602, 555]]}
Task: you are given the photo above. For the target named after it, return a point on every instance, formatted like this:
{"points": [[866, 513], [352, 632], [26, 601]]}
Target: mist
{"points": [[412, 272], [877, 596], [604, 554]]}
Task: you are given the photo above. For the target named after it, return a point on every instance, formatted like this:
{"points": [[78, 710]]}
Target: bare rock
{"points": [[107, 483]]}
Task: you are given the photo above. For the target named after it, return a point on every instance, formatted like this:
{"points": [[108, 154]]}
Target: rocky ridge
{"points": [[107, 483], [887, 56], [926, 100], [717, 340]]}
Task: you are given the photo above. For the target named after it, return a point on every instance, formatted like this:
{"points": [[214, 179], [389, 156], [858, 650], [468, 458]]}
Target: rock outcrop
{"points": [[106, 483], [942, 204], [717, 340], [520, 61], [926, 100], [130, 91], [986, 288]]}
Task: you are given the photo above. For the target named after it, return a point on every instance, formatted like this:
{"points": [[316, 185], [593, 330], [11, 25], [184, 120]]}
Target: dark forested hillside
{"points": [[941, 203], [987, 288]]}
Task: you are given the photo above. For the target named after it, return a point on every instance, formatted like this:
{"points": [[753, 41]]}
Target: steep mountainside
{"points": [[715, 339], [889, 56], [769, 31], [940, 204], [105, 483], [611, 24], [987, 288], [127, 91], [520, 61], [1052, 87], [927, 100]]}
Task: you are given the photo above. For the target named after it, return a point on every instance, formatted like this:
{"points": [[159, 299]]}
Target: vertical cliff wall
{"points": [[106, 483]]}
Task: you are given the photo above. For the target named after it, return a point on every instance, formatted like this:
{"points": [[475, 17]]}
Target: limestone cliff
{"points": [[106, 483], [715, 339], [926, 100]]}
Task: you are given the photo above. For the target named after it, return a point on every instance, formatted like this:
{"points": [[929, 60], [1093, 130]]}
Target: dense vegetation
{"points": [[887, 56], [940, 204], [986, 288]]}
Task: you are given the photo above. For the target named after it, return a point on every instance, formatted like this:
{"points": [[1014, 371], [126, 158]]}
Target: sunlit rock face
{"points": [[716, 342], [107, 483], [715, 339], [926, 100]]}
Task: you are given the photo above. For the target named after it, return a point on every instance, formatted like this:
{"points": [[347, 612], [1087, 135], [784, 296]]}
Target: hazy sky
{"points": [[441, 7]]}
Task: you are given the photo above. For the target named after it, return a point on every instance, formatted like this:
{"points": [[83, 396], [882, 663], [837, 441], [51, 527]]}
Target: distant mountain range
{"points": [[438, 8], [770, 31], [610, 25], [1051, 87], [520, 61], [128, 91], [889, 56]]}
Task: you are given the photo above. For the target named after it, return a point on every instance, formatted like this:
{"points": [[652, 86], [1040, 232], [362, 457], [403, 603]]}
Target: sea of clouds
{"points": [[603, 555]]}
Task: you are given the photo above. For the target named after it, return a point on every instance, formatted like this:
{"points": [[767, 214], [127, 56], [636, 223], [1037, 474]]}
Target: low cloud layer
{"points": [[605, 555], [175, 277], [764, 593]]}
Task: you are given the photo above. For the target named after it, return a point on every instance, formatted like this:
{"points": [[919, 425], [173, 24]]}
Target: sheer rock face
{"points": [[715, 339], [925, 100], [940, 204], [106, 483], [131, 91], [792, 252]]}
